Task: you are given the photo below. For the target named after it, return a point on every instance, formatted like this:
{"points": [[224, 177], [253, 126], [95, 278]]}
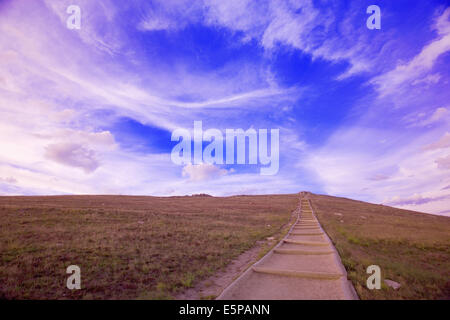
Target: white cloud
{"points": [[379, 177], [94, 15], [415, 199], [417, 67], [170, 15], [102, 140], [292, 24], [298, 24], [204, 171], [431, 202], [354, 163], [421, 119], [429, 79], [10, 180], [438, 115], [443, 163], [153, 23], [442, 143], [72, 154]]}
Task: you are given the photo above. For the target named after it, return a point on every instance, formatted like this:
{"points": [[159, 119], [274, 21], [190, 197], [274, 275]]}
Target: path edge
{"points": [[268, 254], [347, 284]]}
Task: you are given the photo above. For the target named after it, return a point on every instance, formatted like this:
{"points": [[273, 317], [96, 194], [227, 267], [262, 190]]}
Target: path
{"points": [[304, 265]]}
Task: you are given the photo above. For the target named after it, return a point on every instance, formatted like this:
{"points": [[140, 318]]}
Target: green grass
{"points": [[411, 248], [127, 247]]}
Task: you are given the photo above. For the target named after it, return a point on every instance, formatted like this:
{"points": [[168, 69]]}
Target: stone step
{"points": [[306, 243], [307, 233], [299, 274], [306, 228], [301, 252]]}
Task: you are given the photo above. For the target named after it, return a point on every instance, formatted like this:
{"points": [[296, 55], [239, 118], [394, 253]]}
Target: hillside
{"points": [[411, 248], [127, 247], [157, 247]]}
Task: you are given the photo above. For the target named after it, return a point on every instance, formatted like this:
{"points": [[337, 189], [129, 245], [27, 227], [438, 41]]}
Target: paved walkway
{"points": [[304, 265]]}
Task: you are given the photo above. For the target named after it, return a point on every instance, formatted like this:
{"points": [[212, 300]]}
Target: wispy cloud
{"points": [[443, 142], [73, 155], [203, 172], [415, 70], [443, 163], [421, 119], [415, 199]]}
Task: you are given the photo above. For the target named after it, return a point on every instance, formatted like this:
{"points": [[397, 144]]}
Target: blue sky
{"points": [[362, 113]]}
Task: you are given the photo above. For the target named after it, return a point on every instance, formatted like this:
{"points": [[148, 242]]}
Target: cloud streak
{"points": [[389, 82]]}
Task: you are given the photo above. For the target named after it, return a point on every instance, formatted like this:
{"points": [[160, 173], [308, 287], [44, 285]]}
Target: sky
{"points": [[361, 113]]}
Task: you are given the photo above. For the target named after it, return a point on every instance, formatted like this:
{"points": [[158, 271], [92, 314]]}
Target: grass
{"points": [[127, 247], [411, 248]]}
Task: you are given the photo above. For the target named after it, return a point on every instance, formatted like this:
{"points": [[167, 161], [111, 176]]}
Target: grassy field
{"points": [[127, 247], [411, 248]]}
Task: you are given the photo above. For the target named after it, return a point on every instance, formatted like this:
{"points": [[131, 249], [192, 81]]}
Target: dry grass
{"points": [[127, 247], [411, 248]]}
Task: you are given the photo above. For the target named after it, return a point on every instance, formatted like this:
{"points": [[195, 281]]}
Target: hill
{"points": [[158, 247], [127, 247], [410, 247]]}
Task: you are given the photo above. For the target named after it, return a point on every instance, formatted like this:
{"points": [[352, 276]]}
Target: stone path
{"points": [[304, 265]]}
